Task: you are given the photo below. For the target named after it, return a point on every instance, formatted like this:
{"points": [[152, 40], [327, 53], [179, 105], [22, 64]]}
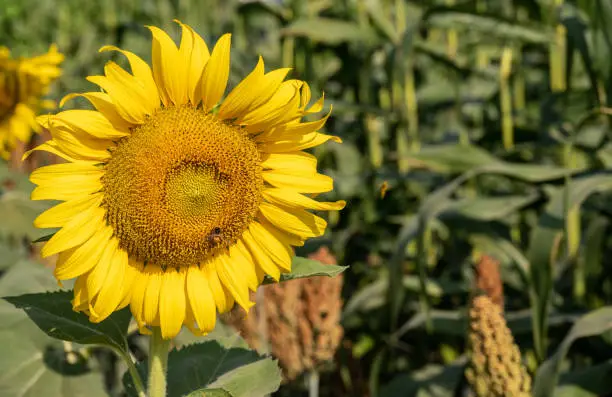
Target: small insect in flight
{"points": [[383, 189], [216, 236]]}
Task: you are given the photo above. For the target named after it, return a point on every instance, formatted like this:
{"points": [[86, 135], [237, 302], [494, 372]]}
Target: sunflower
{"points": [[176, 202], [23, 82]]}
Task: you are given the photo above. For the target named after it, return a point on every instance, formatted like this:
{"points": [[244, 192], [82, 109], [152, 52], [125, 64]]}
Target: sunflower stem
{"points": [[158, 363]]}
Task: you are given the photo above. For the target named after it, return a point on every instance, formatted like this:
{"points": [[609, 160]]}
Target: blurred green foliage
{"points": [[489, 121]]}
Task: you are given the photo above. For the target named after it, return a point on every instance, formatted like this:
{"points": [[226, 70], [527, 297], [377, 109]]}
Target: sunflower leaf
{"points": [[52, 312], [304, 267], [209, 393], [209, 367], [254, 379], [44, 238], [33, 364]]}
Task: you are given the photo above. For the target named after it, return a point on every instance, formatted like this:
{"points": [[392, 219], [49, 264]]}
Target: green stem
{"points": [[158, 363], [313, 383], [133, 373]]}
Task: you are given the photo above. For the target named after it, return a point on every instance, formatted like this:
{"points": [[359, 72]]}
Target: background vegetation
{"points": [[469, 127]]}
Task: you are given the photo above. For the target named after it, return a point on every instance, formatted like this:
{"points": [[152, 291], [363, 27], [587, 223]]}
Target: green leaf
{"points": [[485, 25], [488, 208], [52, 312], [593, 323], [44, 238], [431, 381], [329, 31], [454, 158], [534, 173], [509, 256], [33, 364], [372, 295], [209, 393], [304, 267], [27, 370], [250, 380], [593, 381], [18, 212], [11, 251], [544, 245], [376, 11], [238, 371]]}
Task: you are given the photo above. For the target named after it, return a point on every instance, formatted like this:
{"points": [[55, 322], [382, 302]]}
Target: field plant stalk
{"points": [[402, 139], [370, 122], [452, 37], [558, 49], [158, 363], [482, 54], [573, 228], [288, 48], [505, 97], [412, 108], [422, 262], [518, 80]]}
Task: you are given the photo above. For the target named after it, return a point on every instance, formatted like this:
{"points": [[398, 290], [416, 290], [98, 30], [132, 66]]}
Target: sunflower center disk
{"points": [[182, 187]]}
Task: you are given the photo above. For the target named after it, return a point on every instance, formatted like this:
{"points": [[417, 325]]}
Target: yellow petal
{"points": [[131, 105], [305, 183], [259, 273], [243, 261], [305, 94], [216, 73], [296, 161], [233, 281], [291, 198], [192, 325], [172, 303], [128, 284], [78, 145], [317, 106], [262, 260], [280, 253], [243, 94], [89, 122], [280, 109], [103, 104], [81, 296], [295, 221], [83, 258], [223, 300], [252, 92], [199, 56], [297, 143], [58, 215], [166, 68], [281, 235], [129, 83], [65, 181], [142, 73], [138, 293], [98, 275], [201, 299], [292, 131], [110, 294], [53, 148], [78, 230], [151, 300]]}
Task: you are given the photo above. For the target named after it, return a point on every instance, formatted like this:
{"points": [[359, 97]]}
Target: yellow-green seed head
{"points": [[495, 368]]}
